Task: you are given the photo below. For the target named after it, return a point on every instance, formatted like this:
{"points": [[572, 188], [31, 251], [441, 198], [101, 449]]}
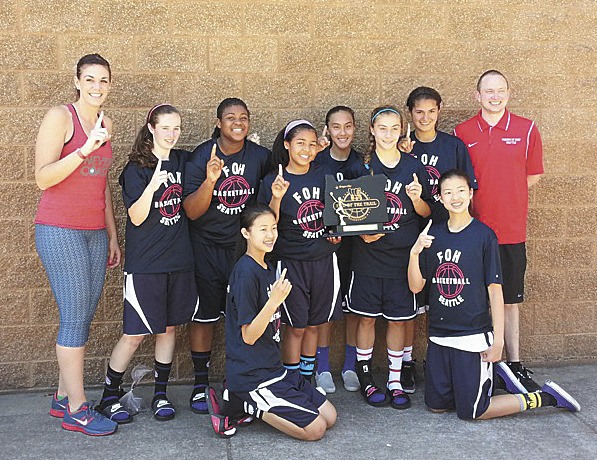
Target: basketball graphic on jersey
{"points": [[170, 201], [310, 215], [394, 206], [434, 175], [450, 280], [233, 191]]}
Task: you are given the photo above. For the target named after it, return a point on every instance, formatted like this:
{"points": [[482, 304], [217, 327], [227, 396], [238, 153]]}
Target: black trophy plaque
{"points": [[355, 206]]}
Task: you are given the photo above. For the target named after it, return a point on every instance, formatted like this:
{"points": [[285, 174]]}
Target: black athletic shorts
{"points": [[513, 258]]}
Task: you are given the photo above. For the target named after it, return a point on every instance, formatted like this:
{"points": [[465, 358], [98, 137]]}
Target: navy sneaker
{"points": [[408, 376], [58, 406], [197, 402], [163, 409], [508, 379], [222, 424], [116, 412], [88, 421], [398, 399], [561, 396]]}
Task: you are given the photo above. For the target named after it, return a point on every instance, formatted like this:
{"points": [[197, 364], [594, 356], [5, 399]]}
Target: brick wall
{"points": [[291, 58]]}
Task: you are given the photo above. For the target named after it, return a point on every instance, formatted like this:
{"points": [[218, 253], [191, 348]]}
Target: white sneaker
{"points": [[351, 381], [325, 382]]}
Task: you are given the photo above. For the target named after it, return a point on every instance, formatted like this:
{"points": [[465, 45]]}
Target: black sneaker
{"points": [[408, 376], [221, 423], [523, 375], [374, 396]]}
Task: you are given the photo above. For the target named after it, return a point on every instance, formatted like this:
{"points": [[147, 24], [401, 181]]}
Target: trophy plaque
{"points": [[355, 206]]}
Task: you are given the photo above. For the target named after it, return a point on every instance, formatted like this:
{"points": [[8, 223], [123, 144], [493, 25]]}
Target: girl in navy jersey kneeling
{"points": [[257, 382], [461, 259]]}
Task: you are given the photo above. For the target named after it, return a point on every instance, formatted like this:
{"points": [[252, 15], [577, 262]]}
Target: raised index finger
{"points": [[415, 178], [408, 132], [98, 123], [282, 275], [213, 152], [280, 170], [325, 131], [158, 167], [426, 229]]}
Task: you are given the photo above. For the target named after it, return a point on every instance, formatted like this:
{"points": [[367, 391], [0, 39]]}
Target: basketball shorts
{"points": [[290, 397], [457, 379], [153, 301], [513, 258]]}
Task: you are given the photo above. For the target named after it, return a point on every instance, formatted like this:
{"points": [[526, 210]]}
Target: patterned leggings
{"points": [[75, 262]]}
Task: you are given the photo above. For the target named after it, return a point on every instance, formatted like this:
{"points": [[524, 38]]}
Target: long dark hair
{"points": [[228, 102], [142, 151], [91, 59], [279, 152], [247, 219]]}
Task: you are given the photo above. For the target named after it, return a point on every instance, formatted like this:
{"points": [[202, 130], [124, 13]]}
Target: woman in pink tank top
{"points": [[75, 231]]}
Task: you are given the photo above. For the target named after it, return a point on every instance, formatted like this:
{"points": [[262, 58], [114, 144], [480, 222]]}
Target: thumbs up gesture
{"points": [[414, 189], [159, 177], [423, 241]]}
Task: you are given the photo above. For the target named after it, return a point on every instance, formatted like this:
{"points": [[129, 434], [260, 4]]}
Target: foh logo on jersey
{"points": [[449, 278], [169, 202], [310, 212], [234, 191]]}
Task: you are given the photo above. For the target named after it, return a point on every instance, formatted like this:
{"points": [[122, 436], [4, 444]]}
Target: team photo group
{"points": [[234, 231]]}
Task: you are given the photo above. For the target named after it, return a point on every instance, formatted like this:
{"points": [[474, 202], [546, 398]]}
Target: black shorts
{"points": [[153, 301], [315, 295], [387, 297], [213, 266], [457, 379], [513, 258], [290, 397], [344, 253]]}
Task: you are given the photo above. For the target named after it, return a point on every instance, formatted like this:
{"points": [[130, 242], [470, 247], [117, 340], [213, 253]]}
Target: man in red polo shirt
{"points": [[507, 157]]}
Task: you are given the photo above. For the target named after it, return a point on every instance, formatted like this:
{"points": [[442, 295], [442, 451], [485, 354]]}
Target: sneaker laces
{"points": [[524, 373]]}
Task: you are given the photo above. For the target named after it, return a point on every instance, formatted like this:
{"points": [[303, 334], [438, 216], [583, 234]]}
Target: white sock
{"points": [[408, 354], [395, 365], [364, 354]]}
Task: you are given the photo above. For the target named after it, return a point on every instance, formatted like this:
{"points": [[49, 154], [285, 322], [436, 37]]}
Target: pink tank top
{"points": [[79, 201]]}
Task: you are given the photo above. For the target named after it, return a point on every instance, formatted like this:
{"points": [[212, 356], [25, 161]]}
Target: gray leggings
{"points": [[75, 262]]}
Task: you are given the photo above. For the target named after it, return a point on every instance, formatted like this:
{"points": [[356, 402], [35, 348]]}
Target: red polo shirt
{"points": [[503, 156]]}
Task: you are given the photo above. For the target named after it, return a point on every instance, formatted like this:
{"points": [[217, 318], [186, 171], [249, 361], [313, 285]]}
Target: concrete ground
{"points": [[361, 432]]}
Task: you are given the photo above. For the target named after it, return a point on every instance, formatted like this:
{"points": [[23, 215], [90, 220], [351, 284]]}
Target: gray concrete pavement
{"points": [[362, 432]]}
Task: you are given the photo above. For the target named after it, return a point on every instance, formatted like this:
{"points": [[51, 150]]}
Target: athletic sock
{"points": [[536, 400], [323, 359], [350, 358], [395, 366], [234, 407], [364, 354], [307, 367], [162, 374], [292, 366], [408, 354], [111, 388], [201, 367]]}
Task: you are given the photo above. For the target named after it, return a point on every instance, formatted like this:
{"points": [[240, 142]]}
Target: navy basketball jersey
{"points": [[459, 267], [249, 365], [161, 243], [443, 153], [234, 190], [379, 258], [300, 224]]}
